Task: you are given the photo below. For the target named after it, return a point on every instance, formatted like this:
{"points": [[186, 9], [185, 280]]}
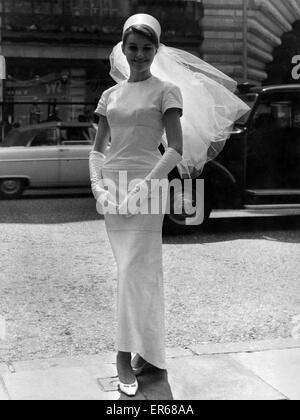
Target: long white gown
{"points": [[135, 116]]}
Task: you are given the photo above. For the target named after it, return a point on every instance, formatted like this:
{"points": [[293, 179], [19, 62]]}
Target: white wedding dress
{"points": [[135, 116]]}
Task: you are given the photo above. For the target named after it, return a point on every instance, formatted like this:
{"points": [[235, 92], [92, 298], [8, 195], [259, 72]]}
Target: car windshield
{"points": [[249, 99]]}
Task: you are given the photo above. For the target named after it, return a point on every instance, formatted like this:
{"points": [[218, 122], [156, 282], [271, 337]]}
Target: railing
{"points": [[33, 23], [64, 7]]}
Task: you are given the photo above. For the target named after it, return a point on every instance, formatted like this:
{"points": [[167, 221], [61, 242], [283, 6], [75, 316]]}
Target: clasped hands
{"points": [[128, 207]]}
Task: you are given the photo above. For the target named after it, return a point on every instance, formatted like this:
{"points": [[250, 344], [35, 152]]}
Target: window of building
{"points": [[43, 7], [110, 7], [25, 6]]}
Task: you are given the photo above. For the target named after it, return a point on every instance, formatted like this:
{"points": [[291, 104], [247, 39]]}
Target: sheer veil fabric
{"points": [[210, 105]]}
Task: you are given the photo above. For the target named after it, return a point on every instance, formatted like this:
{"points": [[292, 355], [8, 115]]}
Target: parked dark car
{"points": [[260, 163]]}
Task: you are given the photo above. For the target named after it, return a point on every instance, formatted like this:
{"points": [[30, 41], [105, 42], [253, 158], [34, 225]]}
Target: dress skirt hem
{"points": [[137, 247]]}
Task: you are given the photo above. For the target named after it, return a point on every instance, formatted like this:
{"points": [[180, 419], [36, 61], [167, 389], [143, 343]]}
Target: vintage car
{"points": [[260, 164], [51, 154]]}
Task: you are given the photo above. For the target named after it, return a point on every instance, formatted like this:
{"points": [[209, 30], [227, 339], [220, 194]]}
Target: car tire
{"points": [[12, 188], [175, 224]]}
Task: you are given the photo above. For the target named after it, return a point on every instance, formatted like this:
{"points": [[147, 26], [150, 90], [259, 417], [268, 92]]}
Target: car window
{"points": [[280, 109], [45, 138], [274, 111], [77, 135], [295, 100]]}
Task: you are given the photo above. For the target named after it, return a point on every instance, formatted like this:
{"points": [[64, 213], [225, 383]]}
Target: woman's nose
{"points": [[140, 54]]}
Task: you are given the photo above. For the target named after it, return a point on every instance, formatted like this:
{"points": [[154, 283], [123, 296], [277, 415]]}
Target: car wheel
{"points": [[176, 223], [11, 188]]}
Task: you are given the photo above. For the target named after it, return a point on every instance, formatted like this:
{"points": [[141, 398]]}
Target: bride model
{"points": [[162, 94]]}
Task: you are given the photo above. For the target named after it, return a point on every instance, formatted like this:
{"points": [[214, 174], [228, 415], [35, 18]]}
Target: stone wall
{"points": [[240, 35]]}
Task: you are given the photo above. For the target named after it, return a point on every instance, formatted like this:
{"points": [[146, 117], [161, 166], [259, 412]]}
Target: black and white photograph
{"points": [[149, 203]]}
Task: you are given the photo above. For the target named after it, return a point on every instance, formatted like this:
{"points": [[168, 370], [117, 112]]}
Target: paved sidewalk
{"points": [[268, 370]]}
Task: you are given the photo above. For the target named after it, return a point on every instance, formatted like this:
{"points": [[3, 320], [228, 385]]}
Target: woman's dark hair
{"points": [[143, 30]]}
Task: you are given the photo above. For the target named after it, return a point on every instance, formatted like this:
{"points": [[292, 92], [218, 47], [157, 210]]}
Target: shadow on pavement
{"points": [[59, 209], [55, 209], [272, 228], [153, 385]]}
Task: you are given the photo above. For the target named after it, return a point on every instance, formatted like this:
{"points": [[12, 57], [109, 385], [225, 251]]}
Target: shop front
{"points": [[58, 51], [46, 90]]}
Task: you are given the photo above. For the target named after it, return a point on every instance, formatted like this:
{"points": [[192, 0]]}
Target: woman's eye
{"points": [[135, 48]]}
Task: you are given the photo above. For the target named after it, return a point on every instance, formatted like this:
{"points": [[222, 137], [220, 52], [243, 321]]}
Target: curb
{"points": [[224, 371], [108, 358]]}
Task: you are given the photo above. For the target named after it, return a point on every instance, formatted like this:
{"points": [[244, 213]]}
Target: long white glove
{"points": [[96, 161], [164, 166]]}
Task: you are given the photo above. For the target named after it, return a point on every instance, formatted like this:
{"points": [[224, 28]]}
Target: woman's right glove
{"points": [[164, 166], [102, 196]]}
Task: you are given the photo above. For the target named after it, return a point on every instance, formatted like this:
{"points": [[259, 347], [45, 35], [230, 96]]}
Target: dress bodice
{"points": [[135, 116]]}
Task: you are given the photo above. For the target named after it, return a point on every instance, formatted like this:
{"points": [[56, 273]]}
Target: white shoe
{"points": [[130, 390]]}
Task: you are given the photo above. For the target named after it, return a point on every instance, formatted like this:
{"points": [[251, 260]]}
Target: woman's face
{"points": [[140, 52]]}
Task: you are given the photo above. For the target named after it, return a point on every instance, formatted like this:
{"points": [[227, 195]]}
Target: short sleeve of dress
{"points": [[102, 104], [172, 98]]}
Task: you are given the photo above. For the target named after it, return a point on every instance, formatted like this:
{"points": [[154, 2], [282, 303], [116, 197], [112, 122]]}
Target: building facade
{"points": [[57, 51], [252, 40]]}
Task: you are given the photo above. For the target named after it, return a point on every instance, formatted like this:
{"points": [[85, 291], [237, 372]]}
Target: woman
{"points": [[135, 114]]}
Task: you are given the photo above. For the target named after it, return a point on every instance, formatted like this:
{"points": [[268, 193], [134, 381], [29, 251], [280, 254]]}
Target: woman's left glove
{"points": [[142, 190]]}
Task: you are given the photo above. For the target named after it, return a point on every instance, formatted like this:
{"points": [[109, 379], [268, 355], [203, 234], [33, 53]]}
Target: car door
{"points": [[272, 145], [291, 150], [75, 145], [40, 159]]}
